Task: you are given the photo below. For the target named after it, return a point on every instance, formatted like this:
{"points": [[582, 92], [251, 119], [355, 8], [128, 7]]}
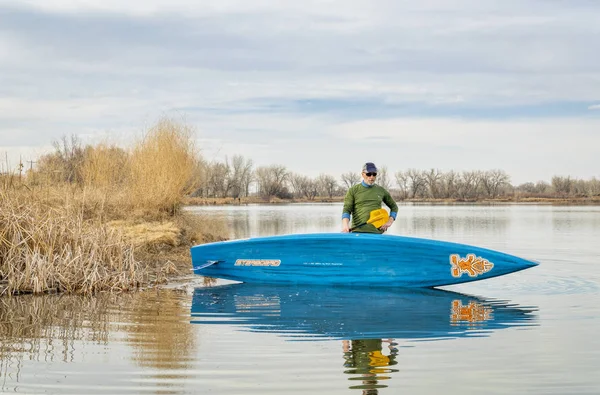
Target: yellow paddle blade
{"points": [[378, 218]]}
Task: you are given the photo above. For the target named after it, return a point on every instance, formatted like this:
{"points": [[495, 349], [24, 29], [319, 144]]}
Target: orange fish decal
{"points": [[472, 313], [472, 265]]}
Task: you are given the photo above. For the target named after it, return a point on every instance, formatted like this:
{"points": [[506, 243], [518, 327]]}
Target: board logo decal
{"points": [[257, 262], [472, 265]]}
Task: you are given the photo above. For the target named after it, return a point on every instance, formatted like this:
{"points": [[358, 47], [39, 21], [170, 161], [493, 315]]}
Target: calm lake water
{"points": [[532, 332]]}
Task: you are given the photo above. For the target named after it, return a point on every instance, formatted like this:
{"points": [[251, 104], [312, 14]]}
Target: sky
{"points": [[316, 86]]}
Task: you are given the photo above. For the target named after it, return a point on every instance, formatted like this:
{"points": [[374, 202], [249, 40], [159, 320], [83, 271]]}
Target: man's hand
{"points": [[389, 223], [345, 225]]}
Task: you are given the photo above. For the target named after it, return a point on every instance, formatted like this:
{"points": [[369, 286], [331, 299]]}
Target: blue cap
{"points": [[369, 167]]}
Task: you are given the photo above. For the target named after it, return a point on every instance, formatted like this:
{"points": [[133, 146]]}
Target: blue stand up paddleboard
{"points": [[351, 258]]}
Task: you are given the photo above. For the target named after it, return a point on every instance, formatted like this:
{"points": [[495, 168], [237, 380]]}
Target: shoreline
{"points": [[158, 248], [195, 201]]}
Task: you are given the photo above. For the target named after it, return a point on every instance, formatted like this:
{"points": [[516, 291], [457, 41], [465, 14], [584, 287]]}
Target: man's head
{"points": [[369, 173]]}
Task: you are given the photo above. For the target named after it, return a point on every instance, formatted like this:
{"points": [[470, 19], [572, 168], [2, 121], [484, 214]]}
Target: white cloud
{"points": [[594, 107], [63, 110], [516, 137]]}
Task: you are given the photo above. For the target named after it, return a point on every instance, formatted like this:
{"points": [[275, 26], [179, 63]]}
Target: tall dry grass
{"points": [[123, 208], [163, 167], [105, 167], [147, 181], [46, 248]]}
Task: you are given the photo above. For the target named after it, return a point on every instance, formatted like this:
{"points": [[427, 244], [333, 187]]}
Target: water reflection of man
{"points": [[367, 359]]}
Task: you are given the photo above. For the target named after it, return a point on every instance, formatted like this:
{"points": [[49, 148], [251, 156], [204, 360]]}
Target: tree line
{"points": [[233, 178], [237, 177]]}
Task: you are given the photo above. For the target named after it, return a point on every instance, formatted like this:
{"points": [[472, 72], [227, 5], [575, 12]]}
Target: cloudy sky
{"points": [[317, 86]]}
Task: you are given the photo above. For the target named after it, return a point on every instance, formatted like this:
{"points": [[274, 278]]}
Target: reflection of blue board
{"points": [[360, 313], [351, 258]]}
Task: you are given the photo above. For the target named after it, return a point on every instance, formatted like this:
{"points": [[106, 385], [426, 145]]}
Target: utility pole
{"points": [[31, 173], [20, 168]]}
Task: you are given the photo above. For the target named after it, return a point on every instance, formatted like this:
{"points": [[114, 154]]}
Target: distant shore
{"points": [[197, 201]]}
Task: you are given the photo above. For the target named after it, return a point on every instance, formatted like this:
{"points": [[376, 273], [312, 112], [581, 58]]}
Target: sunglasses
{"points": [[371, 174]]}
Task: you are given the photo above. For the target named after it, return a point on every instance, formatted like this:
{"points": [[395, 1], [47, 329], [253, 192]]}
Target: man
{"points": [[363, 198]]}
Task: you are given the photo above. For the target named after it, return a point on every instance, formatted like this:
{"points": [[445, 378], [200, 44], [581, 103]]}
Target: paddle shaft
{"points": [[358, 226]]}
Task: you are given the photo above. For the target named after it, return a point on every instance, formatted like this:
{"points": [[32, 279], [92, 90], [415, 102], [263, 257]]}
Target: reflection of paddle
{"points": [[377, 218]]}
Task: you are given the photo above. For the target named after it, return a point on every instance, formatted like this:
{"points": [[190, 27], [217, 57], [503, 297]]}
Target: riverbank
{"points": [[67, 239], [70, 240], [196, 201], [103, 219]]}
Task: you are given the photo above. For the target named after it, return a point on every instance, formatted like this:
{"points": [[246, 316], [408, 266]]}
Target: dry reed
{"points": [[162, 167], [90, 234], [53, 248], [105, 167]]}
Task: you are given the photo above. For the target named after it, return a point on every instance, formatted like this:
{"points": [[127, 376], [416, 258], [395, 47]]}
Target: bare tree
{"points": [[493, 180], [562, 185], [350, 178], [296, 182], [65, 163], [72, 155], [593, 187], [417, 182], [240, 176], [542, 187], [382, 178], [527, 187], [467, 184], [579, 188], [327, 185], [271, 180], [403, 184], [538, 189], [432, 180], [303, 186], [449, 184], [218, 179], [249, 177], [309, 188]]}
